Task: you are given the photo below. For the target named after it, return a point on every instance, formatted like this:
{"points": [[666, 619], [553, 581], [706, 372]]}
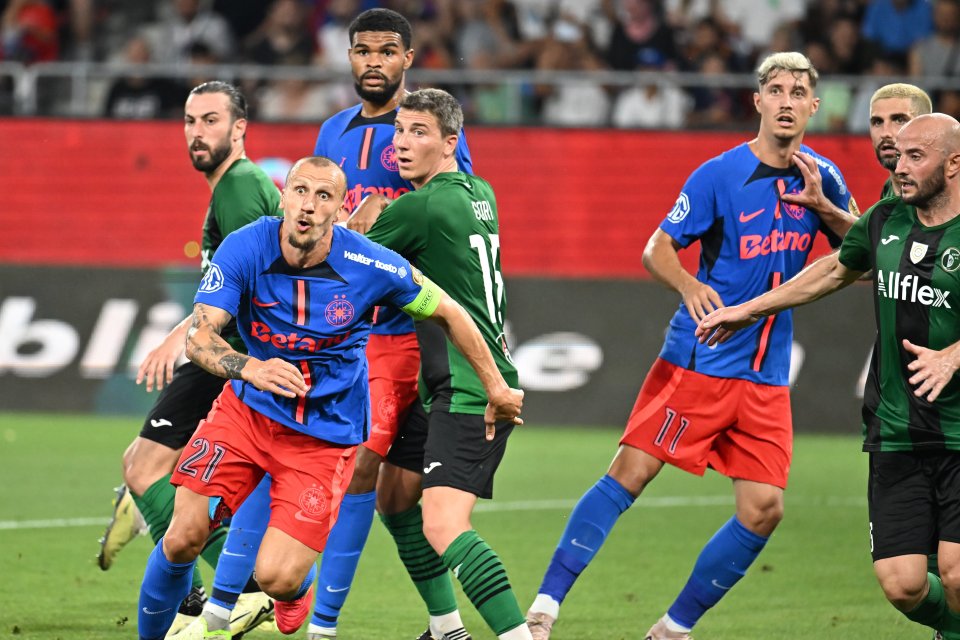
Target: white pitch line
{"points": [[661, 502]]}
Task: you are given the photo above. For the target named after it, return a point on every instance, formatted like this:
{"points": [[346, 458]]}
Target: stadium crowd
{"points": [[905, 38]]}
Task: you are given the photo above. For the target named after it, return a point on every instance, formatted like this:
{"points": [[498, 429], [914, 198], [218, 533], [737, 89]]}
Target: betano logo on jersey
{"points": [[754, 245], [908, 289], [357, 192], [293, 341]]}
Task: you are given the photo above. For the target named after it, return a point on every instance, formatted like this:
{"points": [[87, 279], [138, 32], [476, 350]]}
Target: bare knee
{"points": [[398, 489], [761, 517], [183, 543], [634, 468], [365, 471], [277, 583], [904, 590], [145, 462]]}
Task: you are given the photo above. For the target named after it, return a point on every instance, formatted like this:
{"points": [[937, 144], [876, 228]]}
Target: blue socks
{"points": [[339, 562], [239, 555], [721, 564], [307, 582], [588, 527], [165, 585]]}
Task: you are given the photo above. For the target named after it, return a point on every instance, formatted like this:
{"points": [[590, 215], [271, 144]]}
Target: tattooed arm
{"points": [[207, 349]]}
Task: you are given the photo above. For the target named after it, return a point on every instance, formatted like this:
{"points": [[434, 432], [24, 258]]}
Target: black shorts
{"points": [[914, 501], [458, 455], [406, 451], [181, 406]]}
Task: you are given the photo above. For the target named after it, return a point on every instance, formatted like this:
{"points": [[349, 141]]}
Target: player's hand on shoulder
{"points": [[721, 324], [367, 212], [276, 376], [157, 368], [700, 299], [504, 406], [932, 369]]}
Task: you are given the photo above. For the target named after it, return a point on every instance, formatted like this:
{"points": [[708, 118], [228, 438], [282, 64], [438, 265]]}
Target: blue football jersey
{"points": [[750, 241], [363, 147], [318, 319]]}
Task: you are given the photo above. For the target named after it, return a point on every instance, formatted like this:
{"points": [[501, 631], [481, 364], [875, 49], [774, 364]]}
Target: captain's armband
{"points": [[427, 301]]}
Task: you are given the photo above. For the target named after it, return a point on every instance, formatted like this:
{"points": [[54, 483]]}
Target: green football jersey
{"points": [[243, 194], [916, 279], [449, 230], [887, 190]]}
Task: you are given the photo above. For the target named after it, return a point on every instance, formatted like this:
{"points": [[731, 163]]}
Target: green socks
{"points": [[423, 564], [484, 581]]}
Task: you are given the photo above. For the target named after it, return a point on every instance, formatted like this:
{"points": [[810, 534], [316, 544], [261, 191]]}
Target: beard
{"points": [[928, 191], [380, 95], [216, 157], [890, 164], [303, 244]]}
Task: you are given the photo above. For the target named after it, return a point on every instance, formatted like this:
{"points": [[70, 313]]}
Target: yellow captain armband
{"points": [[427, 301]]}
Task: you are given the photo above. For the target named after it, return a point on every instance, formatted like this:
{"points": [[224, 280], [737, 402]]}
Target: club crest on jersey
{"points": [[950, 260], [312, 501], [339, 311], [917, 251], [389, 158], [212, 279], [795, 211], [680, 209]]}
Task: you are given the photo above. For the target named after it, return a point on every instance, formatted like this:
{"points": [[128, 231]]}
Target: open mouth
{"points": [[303, 225], [785, 120]]}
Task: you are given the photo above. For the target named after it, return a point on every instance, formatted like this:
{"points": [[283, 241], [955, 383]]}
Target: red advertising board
{"points": [[573, 203]]}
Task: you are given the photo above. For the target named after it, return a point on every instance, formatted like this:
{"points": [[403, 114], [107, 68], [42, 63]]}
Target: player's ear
{"points": [[408, 59], [239, 128], [450, 145], [756, 101], [951, 166], [816, 106]]}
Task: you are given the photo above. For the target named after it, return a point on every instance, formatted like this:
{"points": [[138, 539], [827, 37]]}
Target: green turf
{"points": [[814, 580]]}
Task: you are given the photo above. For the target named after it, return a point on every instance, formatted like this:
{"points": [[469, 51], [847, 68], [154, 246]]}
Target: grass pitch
{"points": [[814, 580]]}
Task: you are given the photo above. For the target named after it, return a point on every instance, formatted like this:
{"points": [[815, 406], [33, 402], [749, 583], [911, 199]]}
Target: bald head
{"points": [[934, 130], [928, 164], [320, 162]]}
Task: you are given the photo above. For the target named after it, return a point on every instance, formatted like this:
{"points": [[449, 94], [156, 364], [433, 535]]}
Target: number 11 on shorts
{"points": [[668, 421]]}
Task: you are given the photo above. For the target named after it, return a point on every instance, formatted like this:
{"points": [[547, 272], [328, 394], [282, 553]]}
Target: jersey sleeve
{"points": [[464, 161], [224, 282], [835, 188], [695, 210], [241, 199], [402, 226], [856, 252], [320, 147]]}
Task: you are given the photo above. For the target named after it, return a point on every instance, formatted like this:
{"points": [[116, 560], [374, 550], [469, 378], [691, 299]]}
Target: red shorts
{"points": [[233, 448], [740, 428], [394, 368]]}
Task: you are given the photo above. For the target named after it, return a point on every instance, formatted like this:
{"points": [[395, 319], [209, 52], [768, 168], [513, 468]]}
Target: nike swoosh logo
{"points": [[302, 518], [719, 586], [747, 217], [264, 304], [153, 613], [336, 590], [161, 423], [235, 555], [456, 570], [241, 617], [432, 466], [582, 546], [887, 241]]}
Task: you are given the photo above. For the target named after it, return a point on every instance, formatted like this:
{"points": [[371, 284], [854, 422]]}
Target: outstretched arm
{"points": [[209, 350], [824, 276], [661, 258], [503, 403]]}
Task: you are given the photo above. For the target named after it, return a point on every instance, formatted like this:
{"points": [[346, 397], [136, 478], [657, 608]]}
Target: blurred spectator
{"points": [[753, 22], [189, 22], [895, 25], [489, 35], [573, 103], [939, 54], [640, 31], [851, 55], [138, 97], [705, 38], [821, 14], [657, 105], [201, 56], [883, 68], [284, 33], [784, 38], [713, 107], [835, 97], [332, 37], [297, 99], [244, 16], [683, 15], [28, 30]]}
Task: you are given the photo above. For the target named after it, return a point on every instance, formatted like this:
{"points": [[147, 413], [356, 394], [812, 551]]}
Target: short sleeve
{"points": [[695, 210], [225, 280], [856, 253], [464, 161], [320, 147], [402, 226], [242, 199]]}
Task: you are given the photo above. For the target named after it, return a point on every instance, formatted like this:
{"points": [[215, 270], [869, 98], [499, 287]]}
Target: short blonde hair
{"points": [[920, 103], [792, 61]]}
